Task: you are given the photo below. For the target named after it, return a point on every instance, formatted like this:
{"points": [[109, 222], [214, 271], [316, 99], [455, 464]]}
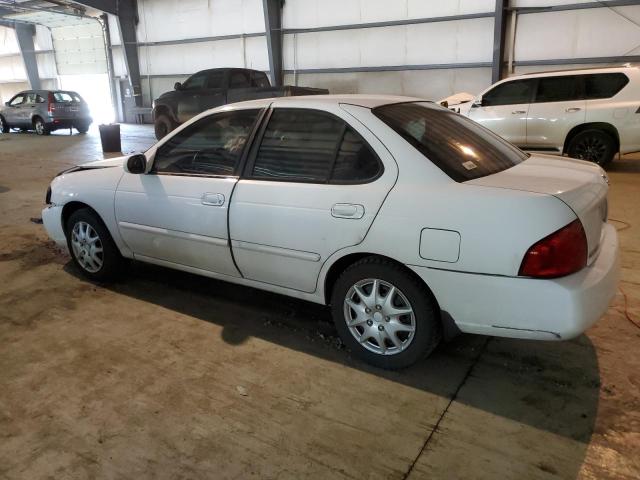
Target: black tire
{"points": [[426, 316], [113, 264], [593, 145], [162, 125], [82, 128], [40, 127], [4, 126]]}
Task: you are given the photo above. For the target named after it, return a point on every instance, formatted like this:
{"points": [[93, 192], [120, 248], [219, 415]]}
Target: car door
{"points": [[189, 96], [214, 93], [14, 110], [312, 186], [177, 212], [559, 104], [504, 109]]}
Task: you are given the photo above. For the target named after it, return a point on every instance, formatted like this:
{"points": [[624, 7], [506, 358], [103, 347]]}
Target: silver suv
{"points": [[45, 111]]}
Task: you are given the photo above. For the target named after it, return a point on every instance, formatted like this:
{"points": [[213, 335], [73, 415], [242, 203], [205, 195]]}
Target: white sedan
{"points": [[409, 220]]}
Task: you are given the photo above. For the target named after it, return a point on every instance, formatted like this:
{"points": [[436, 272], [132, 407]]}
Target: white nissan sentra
{"points": [[407, 219]]}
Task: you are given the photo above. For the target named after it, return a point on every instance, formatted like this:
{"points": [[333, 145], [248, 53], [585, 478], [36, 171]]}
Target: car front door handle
{"points": [[213, 199], [518, 112], [573, 109], [347, 210]]}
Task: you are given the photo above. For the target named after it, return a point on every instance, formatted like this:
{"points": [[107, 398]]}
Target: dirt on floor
{"points": [[169, 375]]}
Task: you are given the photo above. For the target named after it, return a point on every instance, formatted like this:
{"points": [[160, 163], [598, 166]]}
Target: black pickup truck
{"points": [[212, 88]]}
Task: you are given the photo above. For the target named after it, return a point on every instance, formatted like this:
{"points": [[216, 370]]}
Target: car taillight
{"points": [[562, 253], [51, 107]]}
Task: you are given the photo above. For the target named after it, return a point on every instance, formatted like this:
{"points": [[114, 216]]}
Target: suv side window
{"points": [[260, 80], [559, 89], [17, 100], [195, 81], [510, 93], [215, 79], [310, 146], [604, 85], [239, 79], [211, 146]]}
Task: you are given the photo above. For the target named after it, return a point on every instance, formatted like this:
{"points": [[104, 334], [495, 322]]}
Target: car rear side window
{"points": [[211, 146], [509, 93], [460, 147], [604, 85], [301, 145], [559, 89]]}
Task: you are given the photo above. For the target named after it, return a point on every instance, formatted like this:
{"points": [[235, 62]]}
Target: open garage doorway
{"points": [[95, 90]]}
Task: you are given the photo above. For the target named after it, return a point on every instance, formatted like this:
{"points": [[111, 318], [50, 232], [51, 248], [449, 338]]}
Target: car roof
{"points": [[360, 100], [579, 71]]}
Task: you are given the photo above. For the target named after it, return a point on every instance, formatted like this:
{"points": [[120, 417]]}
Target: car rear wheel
{"points": [[162, 126], [92, 249], [384, 315], [82, 127], [4, 127], [41, 127], [592, 145]]}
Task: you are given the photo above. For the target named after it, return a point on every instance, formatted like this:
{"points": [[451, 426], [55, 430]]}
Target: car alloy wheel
{"points": [[39, 127], [87, 247], [379, 316], [2, 125], [591, 148]]}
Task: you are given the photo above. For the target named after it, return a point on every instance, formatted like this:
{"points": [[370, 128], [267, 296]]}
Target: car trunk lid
{"points": [[580, 185]]}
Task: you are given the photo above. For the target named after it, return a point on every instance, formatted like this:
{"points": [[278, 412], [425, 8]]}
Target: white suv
{"points": [[588, 114]]}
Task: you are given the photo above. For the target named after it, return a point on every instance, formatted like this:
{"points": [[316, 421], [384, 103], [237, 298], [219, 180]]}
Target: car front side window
{"points": [[212, 146], [195, 82], [510, 93], [17, 101]]}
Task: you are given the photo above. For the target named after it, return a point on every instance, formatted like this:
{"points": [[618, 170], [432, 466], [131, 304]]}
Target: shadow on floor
{"points": [[547, 385]]}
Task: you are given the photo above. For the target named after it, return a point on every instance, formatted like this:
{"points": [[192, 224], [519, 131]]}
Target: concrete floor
{"points": [[168, 375]]}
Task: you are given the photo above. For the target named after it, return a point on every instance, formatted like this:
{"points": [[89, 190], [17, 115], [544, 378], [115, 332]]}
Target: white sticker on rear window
{"points": [[469, 165]]}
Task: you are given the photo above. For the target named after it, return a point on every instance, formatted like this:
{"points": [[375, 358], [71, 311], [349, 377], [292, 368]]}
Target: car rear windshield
{"points": [[67, 97], [460, 147]]}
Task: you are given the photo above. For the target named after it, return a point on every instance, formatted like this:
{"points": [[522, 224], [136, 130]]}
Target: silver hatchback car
{"points": [[45, 111]]}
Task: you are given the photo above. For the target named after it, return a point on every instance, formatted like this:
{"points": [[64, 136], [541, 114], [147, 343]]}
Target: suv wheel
{"points": [[162, 126], [40, 127], [592, 145], [384, 315], [92, 249], [4, 128]]}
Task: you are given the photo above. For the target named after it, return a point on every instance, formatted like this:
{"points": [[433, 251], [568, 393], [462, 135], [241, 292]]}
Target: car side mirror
{"points": [[7, 104], [477, 102], [136, 164], [445, 104], [177, 86]]}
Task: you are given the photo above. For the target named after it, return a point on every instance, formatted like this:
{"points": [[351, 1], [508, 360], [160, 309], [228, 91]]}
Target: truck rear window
{"points": [[460, 147]]}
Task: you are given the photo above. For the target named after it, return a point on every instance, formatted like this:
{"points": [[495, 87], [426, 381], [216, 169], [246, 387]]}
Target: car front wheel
{"points": [[4, 127], [385, 315], [92, 249]]}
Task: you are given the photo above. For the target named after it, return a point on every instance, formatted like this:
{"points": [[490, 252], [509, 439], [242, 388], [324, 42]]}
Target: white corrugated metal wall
{"points": [[423, 58]]}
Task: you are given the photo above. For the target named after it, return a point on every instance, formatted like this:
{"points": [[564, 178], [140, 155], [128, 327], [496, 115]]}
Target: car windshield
{"points": [[460, 147]]}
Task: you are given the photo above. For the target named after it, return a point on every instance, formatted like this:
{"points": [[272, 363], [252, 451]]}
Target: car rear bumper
{"points": [[557, 309], [55, 123], [52, 221]]}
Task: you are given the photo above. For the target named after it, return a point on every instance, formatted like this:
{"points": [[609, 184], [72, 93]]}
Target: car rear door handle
{"points": [[347, 210], [518, 112], [213, 199], [573, 109]]}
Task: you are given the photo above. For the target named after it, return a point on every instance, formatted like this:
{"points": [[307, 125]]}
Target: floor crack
{"points": [[482, 349]]}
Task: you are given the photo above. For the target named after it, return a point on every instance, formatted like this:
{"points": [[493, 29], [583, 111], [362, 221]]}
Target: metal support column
{"points": [[273, 28], [24, 35], [499, 34]]}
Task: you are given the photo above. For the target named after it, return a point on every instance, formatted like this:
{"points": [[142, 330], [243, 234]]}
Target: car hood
{"points": [[108, 162]]}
